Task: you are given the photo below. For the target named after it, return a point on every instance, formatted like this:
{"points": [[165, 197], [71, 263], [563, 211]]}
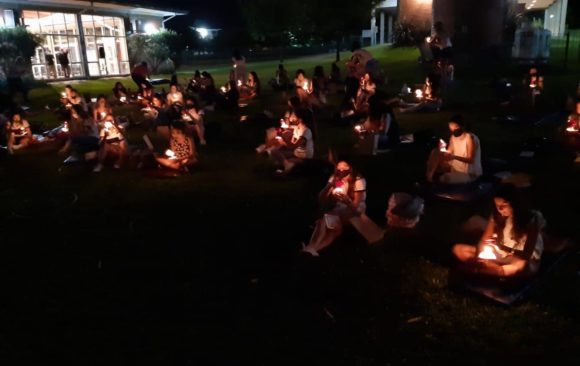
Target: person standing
{"points": [[140, 74], [50, 66], [64, 62]]}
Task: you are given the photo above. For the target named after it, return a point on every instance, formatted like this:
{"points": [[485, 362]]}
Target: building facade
{"points": [[91, 35]]}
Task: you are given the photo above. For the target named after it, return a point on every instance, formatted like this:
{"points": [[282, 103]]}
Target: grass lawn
{"points": [[204, 268]]}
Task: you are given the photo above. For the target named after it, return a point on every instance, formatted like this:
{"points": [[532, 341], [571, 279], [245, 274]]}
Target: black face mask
{"points": [[342, 173], [458, 132]]}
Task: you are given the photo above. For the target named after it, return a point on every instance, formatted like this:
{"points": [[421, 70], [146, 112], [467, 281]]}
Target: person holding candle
{"points": [[239, 67], [251, 89], [112, 142], [366, 90], [511, 245], [284, 131], [281, 81], [380, 126], [303, 86], [120, 92], [18, 132], [101, 109], [174, 96], [83, 132], [345, 192], [181, 152], [299, 147], [460, 162]]}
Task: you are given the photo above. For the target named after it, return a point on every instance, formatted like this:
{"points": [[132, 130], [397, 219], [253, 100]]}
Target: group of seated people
{"points": [[511, 241]]}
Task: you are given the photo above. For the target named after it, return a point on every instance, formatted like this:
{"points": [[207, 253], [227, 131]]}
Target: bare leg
{"points": [[322, 237], [169, 163]]}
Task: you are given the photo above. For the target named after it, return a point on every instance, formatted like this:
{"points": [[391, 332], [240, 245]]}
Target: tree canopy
{"points": [[305, 22]]}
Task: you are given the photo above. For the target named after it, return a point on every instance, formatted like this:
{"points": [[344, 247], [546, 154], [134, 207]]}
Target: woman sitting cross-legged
{"points": [[181, 152], [460, 162], [83, 134], [511, 245], [18, 132], [299, 147], [112, 142], [346, 193]]}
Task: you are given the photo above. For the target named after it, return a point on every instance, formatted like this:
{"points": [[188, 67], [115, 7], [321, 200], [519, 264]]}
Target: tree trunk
{"points": [[337, 49]]}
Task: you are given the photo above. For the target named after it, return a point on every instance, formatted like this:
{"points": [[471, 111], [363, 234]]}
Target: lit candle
{"points": [[103, 114], [442, 145], [108, 125], [278, 137], [63, 94], [239, 83], [428, 39], [283, 124], [305, 85], [170, 154], [419, 93], [65, 127], [223, 89], [123, 99], [358, 128], [487, 253], [571, 129], [139, 97], [337, 191]]}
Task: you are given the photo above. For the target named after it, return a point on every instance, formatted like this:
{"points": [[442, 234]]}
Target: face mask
{"points": [[342, 173], [458, 132]]}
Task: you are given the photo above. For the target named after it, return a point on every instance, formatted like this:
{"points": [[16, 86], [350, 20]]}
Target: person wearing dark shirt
{"points": [[140, 74]]}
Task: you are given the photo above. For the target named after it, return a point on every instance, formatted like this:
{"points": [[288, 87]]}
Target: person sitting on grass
{"points": [[380, 126], [460, 161], [251, 89], [120, 93], [511, 245], [303, 87], [18, 133], [230, 99], [83, 133], [366, 90], [281, 82], [284, 131], [101, 109], [194, 85], [300, 146], [111, 142], [174, 96], [193, 117], [208, 91], [571, 133], [345, 193], [429, 98], [181, 152]]}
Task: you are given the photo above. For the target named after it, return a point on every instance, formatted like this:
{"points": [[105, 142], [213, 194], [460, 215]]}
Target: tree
{"points": [[157, 48], [304, 21], [332, 20], [17, 46]]}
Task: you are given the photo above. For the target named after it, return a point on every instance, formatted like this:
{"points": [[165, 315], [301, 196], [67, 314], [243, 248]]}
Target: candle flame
{"points": [[419, 93], [487, 253], [338, 190], [169, 153]]}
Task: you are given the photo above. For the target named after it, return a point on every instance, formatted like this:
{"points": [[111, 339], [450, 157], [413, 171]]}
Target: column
{"points": [[562, 20], [382, 28], [84, 62], [390, 30]]}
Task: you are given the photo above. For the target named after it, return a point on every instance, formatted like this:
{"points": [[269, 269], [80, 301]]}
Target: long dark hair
{"points": [[353, 176], [256, 81], [521, 211]]}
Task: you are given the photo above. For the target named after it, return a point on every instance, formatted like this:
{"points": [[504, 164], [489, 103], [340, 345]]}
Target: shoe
{"points": [[260, 149], [98, 168], [311, 251]]}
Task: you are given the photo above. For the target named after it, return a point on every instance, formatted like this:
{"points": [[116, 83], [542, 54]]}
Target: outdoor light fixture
{"points": [[150, 29], [203, 32]]}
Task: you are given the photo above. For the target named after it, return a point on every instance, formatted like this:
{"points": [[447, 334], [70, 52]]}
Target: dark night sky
{"points": [[209, 13]]}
